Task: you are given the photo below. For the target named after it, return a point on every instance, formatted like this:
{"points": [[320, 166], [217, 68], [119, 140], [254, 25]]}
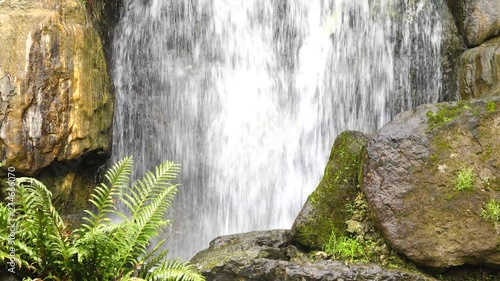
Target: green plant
{"points": [[345, 248], [465, 179], [491, 106], [491, 211], [101, 249]]}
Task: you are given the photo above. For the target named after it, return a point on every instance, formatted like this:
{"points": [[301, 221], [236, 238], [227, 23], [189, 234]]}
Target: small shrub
{"points": [[344, 248], [465, 179], [491, 211]]}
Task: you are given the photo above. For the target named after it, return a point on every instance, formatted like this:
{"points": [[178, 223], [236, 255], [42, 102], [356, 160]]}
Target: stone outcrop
{"points": [[56, 102], [413, 178], [269, 255], [479, 71], [477, 20], [452, 46], [325, 209]]}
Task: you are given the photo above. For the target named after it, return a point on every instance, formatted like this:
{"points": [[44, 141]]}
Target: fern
{"points": [[104, 196], [175, 271], [148, 202], [100, 249], [43, 227]]}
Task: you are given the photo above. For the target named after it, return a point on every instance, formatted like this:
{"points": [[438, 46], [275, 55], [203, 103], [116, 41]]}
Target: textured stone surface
{"points": [[325, 209], [55, 101], [452, 46], [479, 71], [409, 176], [477, 20], [268, 255]]}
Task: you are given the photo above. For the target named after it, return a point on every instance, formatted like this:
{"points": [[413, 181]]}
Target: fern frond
{"points": [[175, 271], [152, 263], [148, 203], [104, 196], [43, 227], [146, 188]]}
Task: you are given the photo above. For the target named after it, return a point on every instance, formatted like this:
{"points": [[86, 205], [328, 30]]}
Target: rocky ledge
{"points": [[270, 255]]}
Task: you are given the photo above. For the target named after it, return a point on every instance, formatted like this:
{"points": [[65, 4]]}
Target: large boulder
{"points": [[325, 209], [479, 70], [477, 20], [429, 174], [269, 255], [56, 100]]}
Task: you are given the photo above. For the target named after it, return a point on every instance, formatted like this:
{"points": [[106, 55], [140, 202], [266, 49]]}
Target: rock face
{"points": [[411, 176], [325, 209], [269, 255], [479, 71], [477, 20], [452, 46], [56, 101]]}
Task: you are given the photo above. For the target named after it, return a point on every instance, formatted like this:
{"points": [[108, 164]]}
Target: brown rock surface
{"points": [[477, 20], [479, 71], [410, 176], [55, 95]]}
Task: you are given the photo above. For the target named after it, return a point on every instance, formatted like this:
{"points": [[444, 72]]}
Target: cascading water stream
{"points": [[248, 95]]}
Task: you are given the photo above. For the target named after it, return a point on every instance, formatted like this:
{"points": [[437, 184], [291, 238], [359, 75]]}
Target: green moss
{"points": [[338, 187], [447, 113]]}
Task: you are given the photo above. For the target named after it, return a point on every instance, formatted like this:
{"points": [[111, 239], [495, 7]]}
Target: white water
{"points": [[248, 95]]}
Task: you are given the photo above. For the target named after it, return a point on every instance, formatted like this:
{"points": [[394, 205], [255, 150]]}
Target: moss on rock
{"points": [[326, 208]]}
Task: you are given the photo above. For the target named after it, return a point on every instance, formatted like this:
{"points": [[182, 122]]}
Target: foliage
{"points": [[101, 249], [491, 211], [344, 247], [491, 106], [465, 179]]}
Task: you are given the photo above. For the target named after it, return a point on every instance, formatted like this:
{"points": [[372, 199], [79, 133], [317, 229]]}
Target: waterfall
{"points": [[248, 95]]}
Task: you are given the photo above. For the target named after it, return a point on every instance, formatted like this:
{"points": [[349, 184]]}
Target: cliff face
{"points": [[56, 101]]}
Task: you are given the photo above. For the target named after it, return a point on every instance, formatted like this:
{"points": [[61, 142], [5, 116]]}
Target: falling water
{"points": [[248, 95]]}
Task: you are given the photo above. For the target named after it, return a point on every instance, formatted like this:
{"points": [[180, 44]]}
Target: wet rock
{"points": [[452, 46], [479, 71], [326, 209], [265, 256], [411, 174], [477, 20]]}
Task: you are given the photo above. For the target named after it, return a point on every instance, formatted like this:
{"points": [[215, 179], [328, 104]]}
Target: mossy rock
{"points": [[413, 178], [269, 255], [327, 208]]}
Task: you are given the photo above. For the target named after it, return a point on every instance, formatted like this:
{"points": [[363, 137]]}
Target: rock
{"points": [[410, 176], [477, 20], [325, 209], [56, 100], [105, 15], [264, 255], [479, 70], [452, 46]]}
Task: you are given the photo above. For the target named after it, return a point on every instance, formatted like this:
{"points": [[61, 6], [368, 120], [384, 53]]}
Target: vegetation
{"points": [[345, 248], [491, 211], [101, 249], [465, 179], [448, 113], [491, 106]]}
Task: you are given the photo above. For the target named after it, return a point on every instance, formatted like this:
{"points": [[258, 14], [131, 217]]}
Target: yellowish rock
{"points": [[56, 101]]}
